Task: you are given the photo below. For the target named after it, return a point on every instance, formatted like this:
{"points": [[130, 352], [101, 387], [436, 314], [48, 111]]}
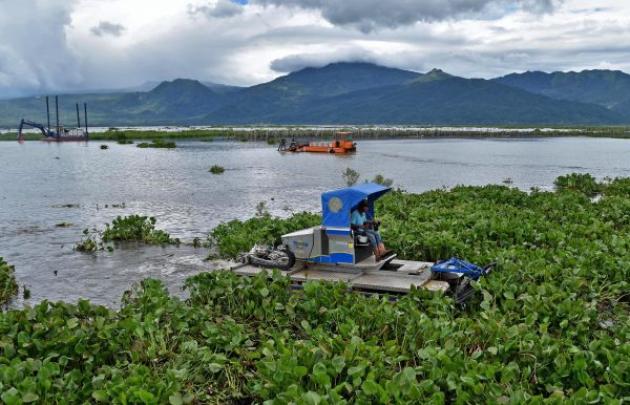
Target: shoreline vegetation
{"points": [[549, 325], [272, 135]]}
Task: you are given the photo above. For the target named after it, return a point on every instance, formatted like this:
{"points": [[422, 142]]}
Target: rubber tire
{"points": [[291, 262]]}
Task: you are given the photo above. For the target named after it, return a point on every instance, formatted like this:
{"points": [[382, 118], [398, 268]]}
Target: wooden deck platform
{"points": [[400, 276]]}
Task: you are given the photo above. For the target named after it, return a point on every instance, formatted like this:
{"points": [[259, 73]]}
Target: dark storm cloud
{"points": [[368, 15], [34, 53], [108, 28], [221, 9]]}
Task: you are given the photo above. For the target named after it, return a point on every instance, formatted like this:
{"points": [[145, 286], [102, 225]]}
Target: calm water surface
{"points": [[38, 179]]}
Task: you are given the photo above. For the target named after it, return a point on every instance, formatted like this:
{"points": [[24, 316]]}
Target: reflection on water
{"points": [[42, 185]]}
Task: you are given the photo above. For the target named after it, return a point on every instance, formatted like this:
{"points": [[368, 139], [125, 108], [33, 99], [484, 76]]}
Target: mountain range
{"points": [[356, 93]]}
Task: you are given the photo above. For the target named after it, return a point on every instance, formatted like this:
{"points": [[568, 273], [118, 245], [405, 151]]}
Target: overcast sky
{"points": [[70, 45]]}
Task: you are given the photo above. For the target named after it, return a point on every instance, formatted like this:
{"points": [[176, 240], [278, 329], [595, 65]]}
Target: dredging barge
{"points": [[59, 133]]}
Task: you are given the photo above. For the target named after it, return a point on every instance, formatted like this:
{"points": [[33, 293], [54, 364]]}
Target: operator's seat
{"points": [[360, 237]]}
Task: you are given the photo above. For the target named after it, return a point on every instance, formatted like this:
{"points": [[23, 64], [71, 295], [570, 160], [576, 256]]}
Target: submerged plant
{"points": [[261, 209], [350, 177], [380, 179], [90, 242]]}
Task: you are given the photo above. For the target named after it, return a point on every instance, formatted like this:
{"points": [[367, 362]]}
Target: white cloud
{"points": [[108, 28], [49, 45]]}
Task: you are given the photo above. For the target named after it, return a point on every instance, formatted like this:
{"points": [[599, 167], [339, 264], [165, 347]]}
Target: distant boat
{"points": [[342, 144]]}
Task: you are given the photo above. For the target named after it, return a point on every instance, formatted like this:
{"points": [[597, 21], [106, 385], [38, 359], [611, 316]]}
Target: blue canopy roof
{"points": [[338, 204]]}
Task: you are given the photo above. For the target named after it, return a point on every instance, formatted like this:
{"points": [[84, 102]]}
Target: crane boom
{"points": [[45, 131]]}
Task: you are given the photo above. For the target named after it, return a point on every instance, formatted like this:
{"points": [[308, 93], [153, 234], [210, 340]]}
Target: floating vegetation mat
{"points": [[551, 324]]}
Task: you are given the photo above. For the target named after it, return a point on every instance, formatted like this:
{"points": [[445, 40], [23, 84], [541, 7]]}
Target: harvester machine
{"points": [[339, 252]]}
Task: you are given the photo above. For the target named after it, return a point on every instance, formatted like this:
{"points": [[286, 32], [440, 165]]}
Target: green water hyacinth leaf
{"points": [[176, 399], [72, 323], [100, 396], [11, 396], [214, 367], [29, 397], [312, 398], [549, 325]]}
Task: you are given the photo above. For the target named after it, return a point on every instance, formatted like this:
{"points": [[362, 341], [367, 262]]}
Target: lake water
{"points": [[38, 179]]}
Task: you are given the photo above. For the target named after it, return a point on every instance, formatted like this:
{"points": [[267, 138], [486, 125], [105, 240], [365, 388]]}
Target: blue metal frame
{"points": [[338, 204], [455, 265], [333, 258]]}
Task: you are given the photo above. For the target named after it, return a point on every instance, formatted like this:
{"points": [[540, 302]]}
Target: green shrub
{"points": [[8, 285]]}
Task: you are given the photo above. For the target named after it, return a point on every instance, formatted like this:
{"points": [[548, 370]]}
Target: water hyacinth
{"points": [[158, 143], [550, 325], [132, 228], [136, 228], [8, 285]]}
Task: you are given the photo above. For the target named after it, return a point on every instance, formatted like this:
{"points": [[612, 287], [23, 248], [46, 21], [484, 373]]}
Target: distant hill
{"points": [[355, 93], [288, 95], [432, 98], [608, 88], [222, 88], [171, 102]]}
